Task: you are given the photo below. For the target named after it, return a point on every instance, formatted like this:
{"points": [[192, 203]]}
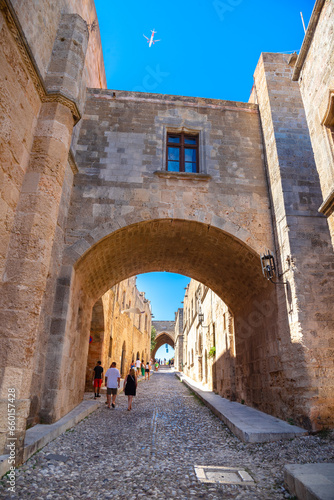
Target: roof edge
{"points": [[308, 38]]}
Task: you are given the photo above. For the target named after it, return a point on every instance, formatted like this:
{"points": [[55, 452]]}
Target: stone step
{"points": [[310, 481]]}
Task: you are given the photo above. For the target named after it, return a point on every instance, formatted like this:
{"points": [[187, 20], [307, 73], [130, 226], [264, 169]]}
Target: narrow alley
{"points": [[152, 452]]}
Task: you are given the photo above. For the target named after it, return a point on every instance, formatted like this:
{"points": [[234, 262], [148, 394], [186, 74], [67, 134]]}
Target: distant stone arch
{"points": [[161, 339]]}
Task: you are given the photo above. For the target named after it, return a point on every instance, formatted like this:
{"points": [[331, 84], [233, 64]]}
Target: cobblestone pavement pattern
{"points": [[151, 452]]}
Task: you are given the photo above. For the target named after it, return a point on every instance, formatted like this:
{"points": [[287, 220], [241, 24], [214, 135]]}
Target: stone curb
{"points": [[310, 481], [248, 424], [41, 434]]}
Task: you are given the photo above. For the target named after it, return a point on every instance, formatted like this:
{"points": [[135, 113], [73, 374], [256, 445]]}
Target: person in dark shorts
{"points": [[147, 371], [112, 381], [97, 379], [130, 386]]}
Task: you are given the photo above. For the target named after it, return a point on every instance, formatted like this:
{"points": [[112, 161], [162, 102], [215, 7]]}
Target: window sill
{"points": [[182, 175]]}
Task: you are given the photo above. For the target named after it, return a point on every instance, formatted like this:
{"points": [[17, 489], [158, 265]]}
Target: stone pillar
{"points": [[305, 254], [30, 247]]}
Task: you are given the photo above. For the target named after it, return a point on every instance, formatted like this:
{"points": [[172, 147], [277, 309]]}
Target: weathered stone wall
{"points": [[97, 339], [120, 154], [110, 328], [178, 346], [305, 253], [129, 327], [40, 20], [316, 81], [209, 346], [41, 180], [19, 108]]}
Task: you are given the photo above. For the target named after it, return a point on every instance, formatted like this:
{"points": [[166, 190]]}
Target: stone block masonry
{"points": [[26, 269], [73, 225], [304, 247]]}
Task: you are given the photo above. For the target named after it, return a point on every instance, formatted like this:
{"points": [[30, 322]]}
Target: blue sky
{"points": [[208, 48], [162, 353], [165, 291]]}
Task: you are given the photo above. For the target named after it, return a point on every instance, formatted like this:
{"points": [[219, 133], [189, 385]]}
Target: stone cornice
{"points": [[308, 38], [15, 28], [327, 208], [174, 100]]}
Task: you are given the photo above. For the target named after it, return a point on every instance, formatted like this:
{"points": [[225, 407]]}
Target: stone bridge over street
{"points": [[102, 185]]}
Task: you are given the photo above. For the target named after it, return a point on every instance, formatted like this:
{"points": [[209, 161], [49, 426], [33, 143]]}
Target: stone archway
{"points": [[164, 334], [161, 339], [219, 260]]}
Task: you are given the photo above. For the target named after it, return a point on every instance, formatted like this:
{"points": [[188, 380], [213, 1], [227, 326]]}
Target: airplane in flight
{"points": [[151, 40]]}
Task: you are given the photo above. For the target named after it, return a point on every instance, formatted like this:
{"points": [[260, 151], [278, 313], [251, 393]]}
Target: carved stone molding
{"points": [[328, 119], [72, 162], [15, 28], [65, 101], [327, 208]]}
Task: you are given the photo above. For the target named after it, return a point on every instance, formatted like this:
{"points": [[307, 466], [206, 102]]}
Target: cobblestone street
{"points": [[151, 452]]}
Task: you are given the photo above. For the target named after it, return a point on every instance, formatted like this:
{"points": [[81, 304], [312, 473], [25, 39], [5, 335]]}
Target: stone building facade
{"points": [[178, 345], [87, 201], [120, 329], [314, 71], [209, 342]]}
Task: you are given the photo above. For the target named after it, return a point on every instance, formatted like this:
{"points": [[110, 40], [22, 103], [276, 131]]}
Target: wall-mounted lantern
{"points": [[268, 265], [269, 268]]}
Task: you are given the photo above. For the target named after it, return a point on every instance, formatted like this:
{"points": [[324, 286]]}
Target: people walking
{"points": [[142, 368], [97, 379], [112, 382], [130, 386], [147, 371]]}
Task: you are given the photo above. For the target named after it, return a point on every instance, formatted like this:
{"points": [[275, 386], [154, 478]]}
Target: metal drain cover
{"points": [[223, 475]]}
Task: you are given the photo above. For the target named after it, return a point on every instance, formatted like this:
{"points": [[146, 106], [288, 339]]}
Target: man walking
{"points": [[97, 379], [112, 382]]}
